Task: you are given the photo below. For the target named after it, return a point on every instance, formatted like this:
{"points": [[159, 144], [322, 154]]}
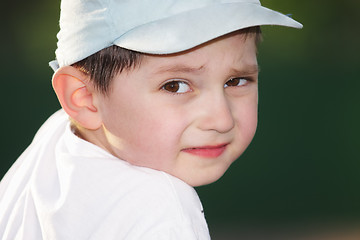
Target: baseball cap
{"points": [[153, 26]]}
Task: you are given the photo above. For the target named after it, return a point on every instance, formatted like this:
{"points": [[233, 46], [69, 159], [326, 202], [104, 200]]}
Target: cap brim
{"points": [[189, 29]]}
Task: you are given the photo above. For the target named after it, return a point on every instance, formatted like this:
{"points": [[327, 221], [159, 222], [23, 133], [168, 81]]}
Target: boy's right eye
{"points": [[176, 87]]}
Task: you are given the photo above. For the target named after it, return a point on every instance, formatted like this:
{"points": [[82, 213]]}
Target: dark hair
{"points": [[104, 65]]}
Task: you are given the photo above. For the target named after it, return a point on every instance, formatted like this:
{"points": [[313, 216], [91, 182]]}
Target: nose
{"points": [[216, 113]]}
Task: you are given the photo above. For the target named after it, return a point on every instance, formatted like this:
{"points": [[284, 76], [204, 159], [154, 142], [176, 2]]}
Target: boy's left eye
{"points": [[235, 82]]}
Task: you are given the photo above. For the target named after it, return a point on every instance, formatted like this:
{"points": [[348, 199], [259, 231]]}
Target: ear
{"points": [[76, 96]]}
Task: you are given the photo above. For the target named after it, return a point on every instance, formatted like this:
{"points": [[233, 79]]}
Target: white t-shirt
{"points": [[63, 187]]}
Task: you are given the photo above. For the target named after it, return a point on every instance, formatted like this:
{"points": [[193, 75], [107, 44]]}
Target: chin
{"points": [[204, 178]]}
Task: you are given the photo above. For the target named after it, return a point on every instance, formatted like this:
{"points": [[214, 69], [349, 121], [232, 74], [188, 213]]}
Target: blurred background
{"points": [[301, 172]]}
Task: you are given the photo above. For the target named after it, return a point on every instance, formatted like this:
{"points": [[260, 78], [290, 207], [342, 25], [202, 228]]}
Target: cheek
{"points": [[149, 134], [162, 127], [158, 141], [247, 118], [251, 123]]}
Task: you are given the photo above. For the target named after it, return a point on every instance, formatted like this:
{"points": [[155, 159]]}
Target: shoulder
{"points": [[111, 199], [80, 191], [144, 191], [159, 206]]}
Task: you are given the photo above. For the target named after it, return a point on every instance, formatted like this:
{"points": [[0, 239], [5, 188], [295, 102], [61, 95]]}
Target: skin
{"points": [[190, 114]]}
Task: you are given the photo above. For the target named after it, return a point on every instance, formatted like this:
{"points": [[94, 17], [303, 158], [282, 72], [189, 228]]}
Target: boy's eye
{"points": [[176, 87], [235, 82]]}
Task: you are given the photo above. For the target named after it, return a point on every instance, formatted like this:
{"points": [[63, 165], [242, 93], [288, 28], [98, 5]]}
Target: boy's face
{"points": [[190, 115]]}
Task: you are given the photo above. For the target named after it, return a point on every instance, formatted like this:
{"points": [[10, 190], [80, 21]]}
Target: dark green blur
{"points": [[303, 167]]}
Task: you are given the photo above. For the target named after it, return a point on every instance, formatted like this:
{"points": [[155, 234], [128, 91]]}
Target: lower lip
{"points": [[208, 152]]}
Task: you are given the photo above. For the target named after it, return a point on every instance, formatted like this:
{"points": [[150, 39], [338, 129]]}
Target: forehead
{"points": [[233, 49]]}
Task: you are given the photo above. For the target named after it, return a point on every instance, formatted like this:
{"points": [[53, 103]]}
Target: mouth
{"points": [[207, 151]]}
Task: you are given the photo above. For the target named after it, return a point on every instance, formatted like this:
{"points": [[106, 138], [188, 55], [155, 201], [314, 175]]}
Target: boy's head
{"points": [[169, 85]]}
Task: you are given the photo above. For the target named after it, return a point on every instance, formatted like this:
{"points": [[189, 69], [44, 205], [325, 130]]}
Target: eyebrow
{"points": [[247, 70], [179, 68]]}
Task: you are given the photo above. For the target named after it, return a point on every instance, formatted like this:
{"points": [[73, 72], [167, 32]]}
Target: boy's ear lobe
{"points": [[76, 97]]}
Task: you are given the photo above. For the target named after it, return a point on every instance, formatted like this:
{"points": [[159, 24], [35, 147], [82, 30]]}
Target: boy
{"points": [[157, 97]]}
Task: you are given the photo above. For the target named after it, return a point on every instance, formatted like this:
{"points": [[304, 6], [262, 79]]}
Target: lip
{"points": [[207, 151]]}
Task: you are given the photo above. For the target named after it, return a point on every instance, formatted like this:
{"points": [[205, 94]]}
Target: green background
{"points": [[303, 165]]}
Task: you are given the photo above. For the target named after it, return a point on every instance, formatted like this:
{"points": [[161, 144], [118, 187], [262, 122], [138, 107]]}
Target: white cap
{"points": [[153, 26]]}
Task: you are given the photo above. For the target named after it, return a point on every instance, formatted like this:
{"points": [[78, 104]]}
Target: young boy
{"points": [[157, 97]]}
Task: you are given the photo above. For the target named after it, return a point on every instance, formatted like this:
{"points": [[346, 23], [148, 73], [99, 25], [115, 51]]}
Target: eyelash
{"points": [[247, 80], [183, 83], [178, 85]]}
